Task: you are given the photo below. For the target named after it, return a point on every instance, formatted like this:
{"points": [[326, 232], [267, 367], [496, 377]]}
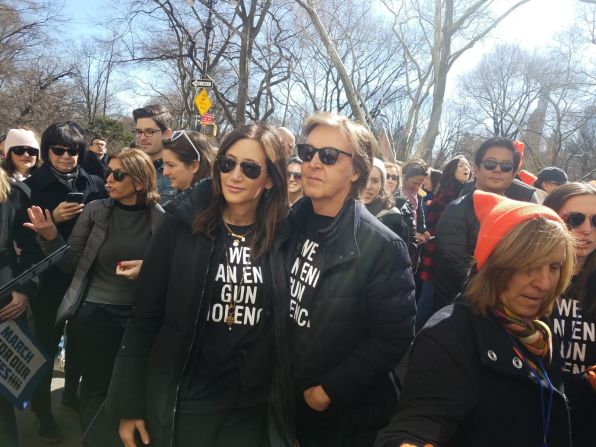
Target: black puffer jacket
{"points": [[363, 315], [456, 235], [392, 218], [161, 329], [466, 387]]}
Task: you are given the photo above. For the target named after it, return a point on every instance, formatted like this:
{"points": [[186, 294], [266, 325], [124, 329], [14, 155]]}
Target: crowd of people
{"points": [[267, 292]]}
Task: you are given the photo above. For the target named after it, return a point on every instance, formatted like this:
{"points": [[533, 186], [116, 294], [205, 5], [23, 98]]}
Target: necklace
{"points": [[238, 237]]}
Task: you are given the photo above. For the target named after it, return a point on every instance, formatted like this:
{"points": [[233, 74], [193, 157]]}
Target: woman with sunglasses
{"points": [[574, 317], [200, 349], [107, 247], [21, 152], [486, 371], [62, 146], [294, 173], [187, 159]]}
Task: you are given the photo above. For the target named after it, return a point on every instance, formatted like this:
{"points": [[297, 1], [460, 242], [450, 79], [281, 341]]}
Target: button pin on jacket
{"points": [[517, 362], [492, 355]]}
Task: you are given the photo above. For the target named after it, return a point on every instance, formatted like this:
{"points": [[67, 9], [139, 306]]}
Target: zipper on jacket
{"points": [[189, 352]]}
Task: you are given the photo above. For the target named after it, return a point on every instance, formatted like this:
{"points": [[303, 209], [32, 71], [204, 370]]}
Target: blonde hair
{"points": [[389, 165], [522, 249], [140, 167], [4, 186], [361, 140]]}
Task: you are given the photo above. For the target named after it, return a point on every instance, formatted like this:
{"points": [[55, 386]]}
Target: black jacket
{"points": [[392, 218], [465, 387], [517, 191], [363, 314], [456, 235], [161, 330], [46, 191]]}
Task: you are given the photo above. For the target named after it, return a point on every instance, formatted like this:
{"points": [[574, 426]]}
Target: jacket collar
{"points": [[43, 177], [186, 205], [340, 236]]}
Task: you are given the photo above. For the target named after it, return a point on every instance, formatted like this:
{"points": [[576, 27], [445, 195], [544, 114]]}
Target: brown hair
{"points": [[414, 168], [140, 167], [158, 113], [361, 140], [186, 153], [273, 204], [555, 200], [521, 249]]}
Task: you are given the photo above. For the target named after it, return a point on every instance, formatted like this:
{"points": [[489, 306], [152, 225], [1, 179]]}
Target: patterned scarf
{"points": [[534, 335]]}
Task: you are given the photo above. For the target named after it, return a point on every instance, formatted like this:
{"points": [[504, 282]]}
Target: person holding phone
{"points": [[62, 146], [107, 244]]}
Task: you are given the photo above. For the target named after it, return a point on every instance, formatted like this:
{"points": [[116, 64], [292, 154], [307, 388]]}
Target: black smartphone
{"points": [[75, 197]]}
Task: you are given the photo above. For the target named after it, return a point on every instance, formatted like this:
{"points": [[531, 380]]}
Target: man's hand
{"points": [[316, 398], [66, 211], [127, 430], [591, 376], [15, 308]]}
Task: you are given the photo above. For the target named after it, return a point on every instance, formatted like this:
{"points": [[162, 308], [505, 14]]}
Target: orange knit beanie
{"points": [[497, 216]]}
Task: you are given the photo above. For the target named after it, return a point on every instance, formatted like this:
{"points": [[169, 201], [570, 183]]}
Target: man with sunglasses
{"points": [[152, 124], [496, 163], [62, 147], [351, 292]]}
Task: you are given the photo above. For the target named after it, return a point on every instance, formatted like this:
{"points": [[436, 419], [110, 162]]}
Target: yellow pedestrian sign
{"points": [[202, 102]]}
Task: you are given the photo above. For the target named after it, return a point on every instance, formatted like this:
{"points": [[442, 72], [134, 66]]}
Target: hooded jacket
{"points": [[162, 328], [466, 387]]}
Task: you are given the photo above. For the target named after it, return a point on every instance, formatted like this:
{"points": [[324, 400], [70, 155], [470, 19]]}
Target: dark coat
{"points": [[465, 387], [517, 191], [46, 191], [392, 218], [363, 319], [456, 235], [161, 330]]}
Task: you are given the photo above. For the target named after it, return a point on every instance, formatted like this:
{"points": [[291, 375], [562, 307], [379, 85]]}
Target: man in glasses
{"points": [[351, 292], [152, 124], [62, 147], [496, 163]]}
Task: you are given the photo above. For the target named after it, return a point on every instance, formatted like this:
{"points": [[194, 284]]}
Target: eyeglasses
{"points": [[20, 150], [178, 134], [491, 165], [395, 178], [147, 132], [574, 220], [297, 175], [118, 174], [59, 151], [251, 169], [327, 155]]}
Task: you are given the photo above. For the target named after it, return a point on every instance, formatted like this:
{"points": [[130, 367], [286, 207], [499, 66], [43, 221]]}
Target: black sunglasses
{"points": [[118, 174], [327, 155], [491, 165], [574, 220], [296, 175], [59, 151], [20, 150], [395, 178], [251, 169]]}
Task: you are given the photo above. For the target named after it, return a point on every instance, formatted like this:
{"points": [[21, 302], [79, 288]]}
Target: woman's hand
{"points": [[66, 211], [41, 223], [422, 237], [15, 308], [129, 269], [127, 430], [316, 398]]}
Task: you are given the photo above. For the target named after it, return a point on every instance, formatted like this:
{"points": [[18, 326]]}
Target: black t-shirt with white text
{"points": [[231, 318], [305, 276]]}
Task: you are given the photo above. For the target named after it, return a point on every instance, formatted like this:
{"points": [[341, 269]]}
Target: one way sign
{"points": [[202, 83]]}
